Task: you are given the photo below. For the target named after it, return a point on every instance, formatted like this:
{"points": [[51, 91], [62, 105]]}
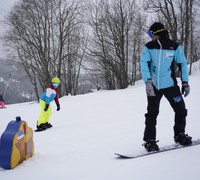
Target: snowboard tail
{"points": [[162, 149], [40, 130]]}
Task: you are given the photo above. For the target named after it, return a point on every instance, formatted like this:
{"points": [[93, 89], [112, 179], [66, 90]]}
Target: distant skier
{"points": [[50, 94], [158, 72], [2, 102]]}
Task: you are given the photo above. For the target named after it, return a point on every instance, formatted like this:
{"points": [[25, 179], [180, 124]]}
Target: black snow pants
{"points": [[176, 101]]}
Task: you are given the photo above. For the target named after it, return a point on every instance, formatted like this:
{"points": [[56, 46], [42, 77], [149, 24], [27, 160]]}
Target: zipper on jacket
{"points": [[160, 59]]}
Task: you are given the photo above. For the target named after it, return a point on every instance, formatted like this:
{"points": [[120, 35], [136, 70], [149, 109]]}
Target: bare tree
{"points": [[47, 36], [114, 28]]}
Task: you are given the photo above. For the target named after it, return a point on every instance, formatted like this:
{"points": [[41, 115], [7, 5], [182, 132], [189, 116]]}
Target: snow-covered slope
{"points": [[90, 128]]}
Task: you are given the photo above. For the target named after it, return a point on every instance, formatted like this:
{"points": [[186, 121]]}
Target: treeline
{"points": [[102, 38]]}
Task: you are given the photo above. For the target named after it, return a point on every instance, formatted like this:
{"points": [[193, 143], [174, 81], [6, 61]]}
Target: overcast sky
{"points": [[5, 6]]}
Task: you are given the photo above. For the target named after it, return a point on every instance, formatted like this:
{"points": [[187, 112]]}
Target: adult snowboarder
{"points": [[157, 68]]}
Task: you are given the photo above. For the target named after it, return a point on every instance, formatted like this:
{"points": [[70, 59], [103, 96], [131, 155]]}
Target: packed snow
{"points": [[90, 128]]}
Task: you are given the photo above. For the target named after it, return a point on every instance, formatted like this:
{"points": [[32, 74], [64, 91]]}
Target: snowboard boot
{"points": [[151, 145], [48, 125], [183, 139], [41, 127]]}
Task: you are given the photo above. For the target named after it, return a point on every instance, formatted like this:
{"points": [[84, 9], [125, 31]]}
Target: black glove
{"points": [[58, 107], [185, 89], [149, 88], [46, 108]]}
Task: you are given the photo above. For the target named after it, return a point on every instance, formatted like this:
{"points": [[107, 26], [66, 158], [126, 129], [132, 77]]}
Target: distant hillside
{"points": [[15, 84], [17, 88]]}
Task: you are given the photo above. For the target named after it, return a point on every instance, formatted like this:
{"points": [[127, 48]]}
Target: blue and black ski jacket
{"points": [[157, 62]]}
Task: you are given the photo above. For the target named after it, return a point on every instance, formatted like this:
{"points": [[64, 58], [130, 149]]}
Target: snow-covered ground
{"points": [[90, 128]]}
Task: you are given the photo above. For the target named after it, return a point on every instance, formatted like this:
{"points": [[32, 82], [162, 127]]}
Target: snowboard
{"points": [[162, 149], [36, 130]]}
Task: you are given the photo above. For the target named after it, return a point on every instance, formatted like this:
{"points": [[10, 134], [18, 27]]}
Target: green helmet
{"points": [[55, 80]]}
